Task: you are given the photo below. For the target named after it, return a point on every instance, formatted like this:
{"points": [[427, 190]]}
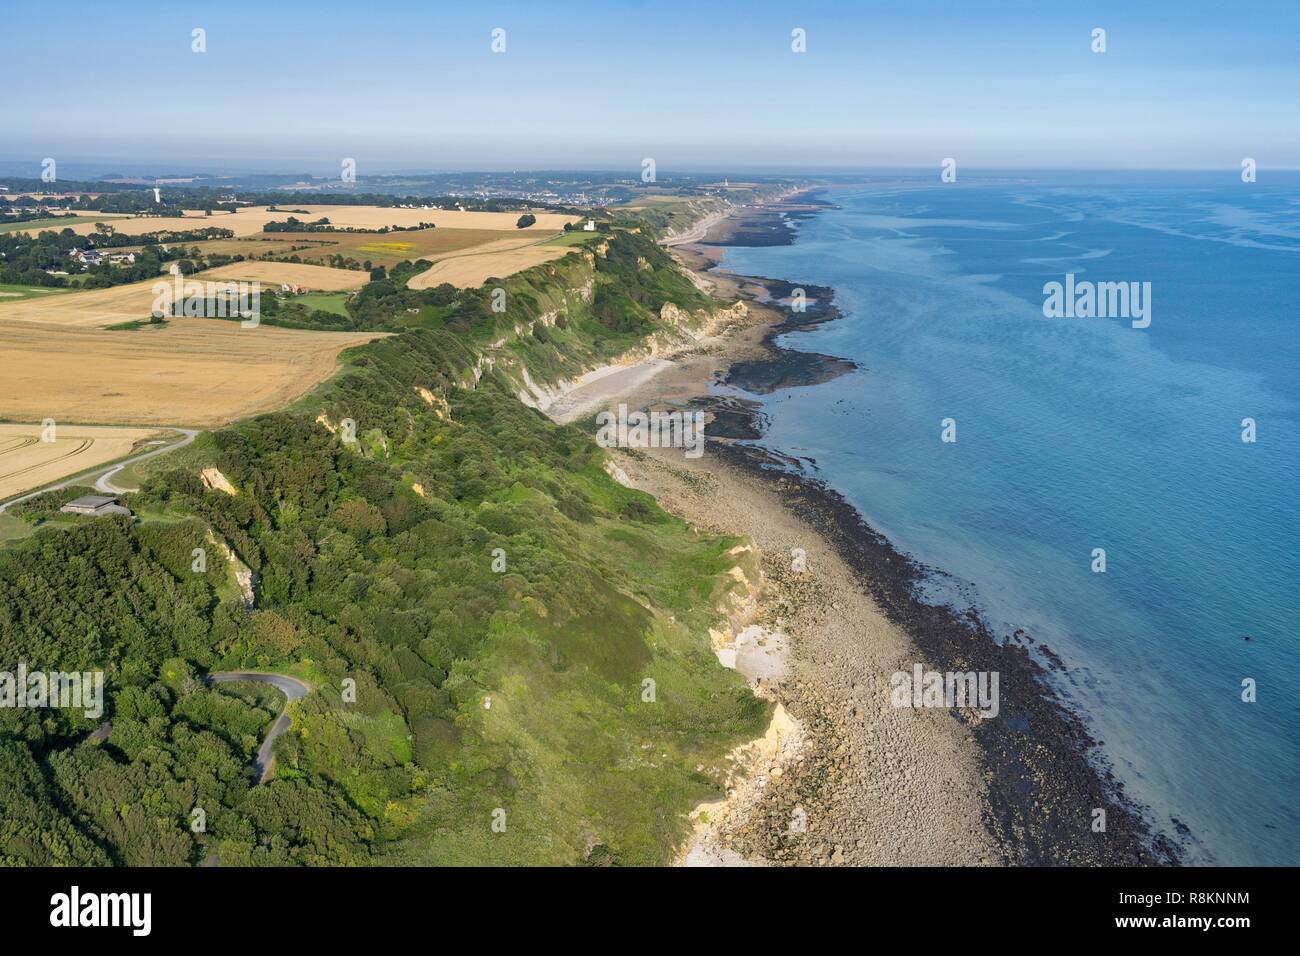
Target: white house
{"points": [[87, 257]]}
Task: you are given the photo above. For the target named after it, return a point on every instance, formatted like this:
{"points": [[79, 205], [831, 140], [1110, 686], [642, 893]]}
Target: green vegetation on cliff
{"points": [[509, 650]]}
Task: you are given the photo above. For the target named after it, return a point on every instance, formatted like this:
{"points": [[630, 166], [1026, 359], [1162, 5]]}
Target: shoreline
{"points": [[1017, 789]]}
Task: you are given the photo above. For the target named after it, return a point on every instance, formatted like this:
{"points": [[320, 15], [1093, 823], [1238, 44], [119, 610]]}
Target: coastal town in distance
{"points": [[607, 475]]}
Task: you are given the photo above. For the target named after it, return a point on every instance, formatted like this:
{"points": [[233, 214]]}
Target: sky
{"points": [[403, 86]]}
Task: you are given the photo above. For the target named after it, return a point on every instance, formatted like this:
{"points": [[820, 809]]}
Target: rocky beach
{"points": [[844, 776]]}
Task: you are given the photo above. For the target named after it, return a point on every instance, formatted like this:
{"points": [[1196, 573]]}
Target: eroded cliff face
{"points": [[441, 408], [214, 480], [683, 330], [243, 574], [567, 296]]}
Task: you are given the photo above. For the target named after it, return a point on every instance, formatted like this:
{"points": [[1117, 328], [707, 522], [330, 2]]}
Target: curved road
{"points": [[101, 483], [292, 688]]}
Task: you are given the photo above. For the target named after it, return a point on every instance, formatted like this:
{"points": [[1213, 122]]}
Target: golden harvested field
{"points": [[61, 363], [27, 462], [246, 222], [273, 274], [374, 217], [56, 223], [93, 308], [249, 221], [200, 372], [469, 270]]}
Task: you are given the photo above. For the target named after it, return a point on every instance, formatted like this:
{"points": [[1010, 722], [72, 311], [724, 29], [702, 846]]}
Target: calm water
{"points": [[1075, 434]]}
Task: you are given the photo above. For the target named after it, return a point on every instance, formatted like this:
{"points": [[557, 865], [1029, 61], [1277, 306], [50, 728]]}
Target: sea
{"points": [[1173, 447]]}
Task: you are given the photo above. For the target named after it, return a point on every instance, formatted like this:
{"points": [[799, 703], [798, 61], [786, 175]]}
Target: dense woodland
{"points": [[497, 599]]}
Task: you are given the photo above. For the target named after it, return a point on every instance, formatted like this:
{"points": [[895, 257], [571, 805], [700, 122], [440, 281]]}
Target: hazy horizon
{"points": [[94, 168], [404, 86]]}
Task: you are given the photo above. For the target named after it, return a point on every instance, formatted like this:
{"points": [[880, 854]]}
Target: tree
{"points": [[526, 220]]}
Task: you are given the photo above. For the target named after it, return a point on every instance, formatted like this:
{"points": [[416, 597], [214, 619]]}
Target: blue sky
{"points": [[695, 85]]}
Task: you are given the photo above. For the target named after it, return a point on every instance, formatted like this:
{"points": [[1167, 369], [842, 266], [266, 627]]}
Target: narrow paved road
{"points": [[101, 482], [292, 688]]}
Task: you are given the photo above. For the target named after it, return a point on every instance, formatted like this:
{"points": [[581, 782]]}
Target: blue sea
{"points": [[1081, 433]]}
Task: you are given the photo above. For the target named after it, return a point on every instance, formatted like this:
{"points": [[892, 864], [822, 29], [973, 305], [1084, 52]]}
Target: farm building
{"points": [[95, 505], [89, 257]]}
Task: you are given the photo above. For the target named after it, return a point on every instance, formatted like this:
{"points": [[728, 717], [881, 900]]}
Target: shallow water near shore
{"points": [[1076, 434]]}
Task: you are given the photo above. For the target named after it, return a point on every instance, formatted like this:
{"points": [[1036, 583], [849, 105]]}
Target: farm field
{"points": [[273, 274], [243, 223], [386, 249], [374, 217], [325, 301], [55, 222], [134, 302], [249, 221], [575, 238], [259, 245], [27, 462], [62, 363], [390, 248], [499, 259], [10, 293], [94, 307], [195, 372]]}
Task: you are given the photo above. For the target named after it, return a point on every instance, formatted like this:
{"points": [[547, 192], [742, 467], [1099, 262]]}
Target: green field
{"points": [[325, 301], [13, 293], [574, 238]]}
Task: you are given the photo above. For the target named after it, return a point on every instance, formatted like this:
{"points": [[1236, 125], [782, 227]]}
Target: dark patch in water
{"points": [[782, 367], [731, 417]]}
